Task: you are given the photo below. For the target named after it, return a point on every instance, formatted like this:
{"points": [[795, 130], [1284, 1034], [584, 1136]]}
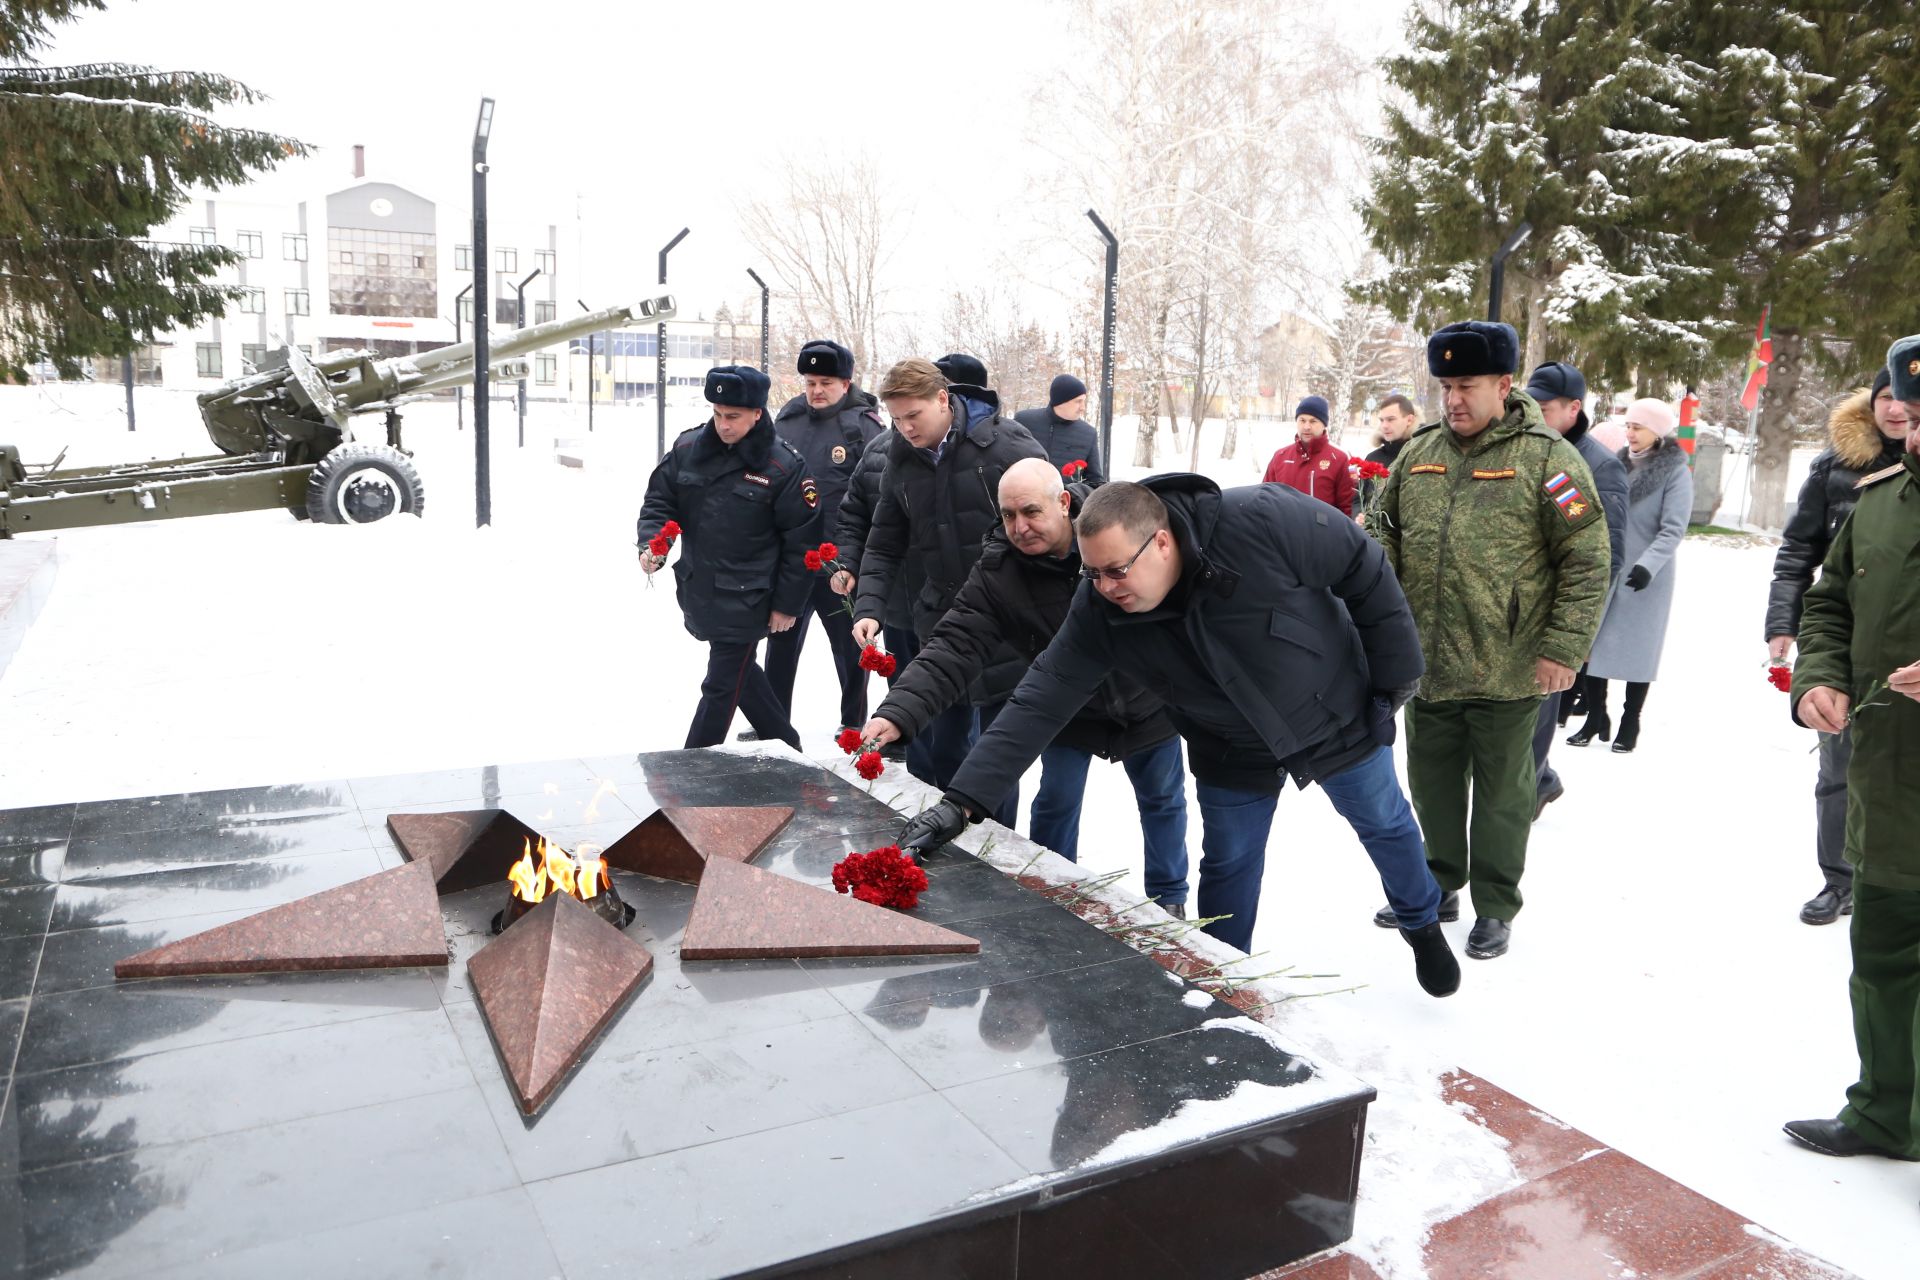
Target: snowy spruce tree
{"points": [[95, 157]]}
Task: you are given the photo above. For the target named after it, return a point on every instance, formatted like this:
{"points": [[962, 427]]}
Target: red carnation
{"points": [[659, 545], [828, 552], [887, 666], [884, 877], [1072, 469], [848, 741], [877, 660], [813, 561], [869, 765], [1781, 678], [671, 529]]}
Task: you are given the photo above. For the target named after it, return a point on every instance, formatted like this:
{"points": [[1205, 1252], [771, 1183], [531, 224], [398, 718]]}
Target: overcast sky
{"points": [[639, 118]]}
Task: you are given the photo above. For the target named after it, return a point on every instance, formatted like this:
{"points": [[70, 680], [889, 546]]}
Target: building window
{"points": [[542, 312], [346, 257], [206, 357], [466, 309], [200, 235], [253, 301], [506, 259], [381, 272], [252, 356], [463, 257], [251, 243], [293, 247], [543, 259], [299, 302], [544, 365], [505, 310]]}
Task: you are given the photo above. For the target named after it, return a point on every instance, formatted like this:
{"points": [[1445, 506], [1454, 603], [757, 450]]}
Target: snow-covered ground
{"points": [[1661, 994]]}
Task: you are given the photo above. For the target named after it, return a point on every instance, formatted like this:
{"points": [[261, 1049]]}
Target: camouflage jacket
{"points": [[1501, 547]]}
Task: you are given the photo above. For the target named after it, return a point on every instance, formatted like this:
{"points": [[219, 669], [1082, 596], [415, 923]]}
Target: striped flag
{"points": [[1757, 362]]}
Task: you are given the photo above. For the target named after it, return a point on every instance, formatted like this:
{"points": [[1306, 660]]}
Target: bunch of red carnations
{"points": [[877, 660], [868, 764], [885, 877]]}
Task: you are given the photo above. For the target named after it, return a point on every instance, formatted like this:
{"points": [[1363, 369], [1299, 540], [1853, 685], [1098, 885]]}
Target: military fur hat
{"points": [[962, 368], [1903, 366], [740, 385], [1468, 348], [824, 358]]}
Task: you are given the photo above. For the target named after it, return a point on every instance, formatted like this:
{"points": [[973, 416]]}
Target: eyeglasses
{"points": [[1093, 573]]}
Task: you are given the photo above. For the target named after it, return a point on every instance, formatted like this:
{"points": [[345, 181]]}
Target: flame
{"points": [[547, 868]]}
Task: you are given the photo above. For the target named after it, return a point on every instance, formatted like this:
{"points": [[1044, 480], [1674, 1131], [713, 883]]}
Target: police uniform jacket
{"points": [[1502, 548], [748, 514], [831, 441], [1020, 599], [1860, 624], [1273, 655]]}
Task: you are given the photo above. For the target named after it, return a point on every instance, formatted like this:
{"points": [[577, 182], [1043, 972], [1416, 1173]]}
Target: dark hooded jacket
{"points": [[1856, 448], [934, 515], [856, 521], [746, 525], [1280, 651], [1012, 597], [832, 441], [1066, 440]]}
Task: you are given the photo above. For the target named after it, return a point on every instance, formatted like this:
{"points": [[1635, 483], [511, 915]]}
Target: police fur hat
{"points": [[740, 385], [1468, 348], [1903, 367], [825, 358], [962, 368]]}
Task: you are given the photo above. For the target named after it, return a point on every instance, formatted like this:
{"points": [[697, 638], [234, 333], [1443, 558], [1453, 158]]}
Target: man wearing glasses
{"points": [[1279, 640]]}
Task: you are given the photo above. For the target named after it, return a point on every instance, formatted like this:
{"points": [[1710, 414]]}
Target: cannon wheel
{"points": [[361, 483]]}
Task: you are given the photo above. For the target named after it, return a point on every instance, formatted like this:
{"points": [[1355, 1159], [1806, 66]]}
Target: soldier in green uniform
{"points": [[1859, 667], [1491, 520]]}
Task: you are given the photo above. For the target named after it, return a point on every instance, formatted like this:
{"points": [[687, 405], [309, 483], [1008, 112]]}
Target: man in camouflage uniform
{"points": [[1859, 668], [1490, 520]]}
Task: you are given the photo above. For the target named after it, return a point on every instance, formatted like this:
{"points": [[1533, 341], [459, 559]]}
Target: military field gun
{"points": [[286, 439]]}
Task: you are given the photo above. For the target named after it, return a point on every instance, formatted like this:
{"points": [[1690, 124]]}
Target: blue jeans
{"points": [[1160, 790], [1233, 842]]}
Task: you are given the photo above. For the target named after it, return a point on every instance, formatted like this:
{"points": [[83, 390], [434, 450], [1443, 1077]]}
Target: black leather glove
{"points": [[1638, 577], [931, 828]]}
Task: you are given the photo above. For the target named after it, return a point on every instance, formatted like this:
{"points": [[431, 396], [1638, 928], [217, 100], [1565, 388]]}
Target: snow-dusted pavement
{"points": [[1661, 994]]}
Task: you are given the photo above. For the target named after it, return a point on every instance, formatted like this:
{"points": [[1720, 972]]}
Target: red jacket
{"points": [[1317, 469]]}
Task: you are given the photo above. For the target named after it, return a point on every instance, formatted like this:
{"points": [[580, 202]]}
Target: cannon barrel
{"points": [[446, 366]]}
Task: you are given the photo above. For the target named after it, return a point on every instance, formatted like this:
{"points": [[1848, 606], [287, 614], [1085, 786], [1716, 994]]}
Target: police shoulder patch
{"points": [[809, 491]]}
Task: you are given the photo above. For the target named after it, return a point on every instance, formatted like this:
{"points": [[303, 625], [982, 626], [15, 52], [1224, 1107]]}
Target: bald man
{"points": [[1019, 591]]}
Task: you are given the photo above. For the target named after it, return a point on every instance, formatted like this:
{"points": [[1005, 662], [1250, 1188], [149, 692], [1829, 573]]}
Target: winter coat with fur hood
{"points": [[1826, 500]]}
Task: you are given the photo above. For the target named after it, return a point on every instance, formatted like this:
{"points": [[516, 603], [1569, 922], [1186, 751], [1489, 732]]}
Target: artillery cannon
{"points": [[286, 439]]}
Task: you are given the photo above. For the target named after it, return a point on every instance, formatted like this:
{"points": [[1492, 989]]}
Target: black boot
{"points": [[1827, 906], [1598, 725], [1630, 718], [1433, 960], [1574, 701], [1489, 938], [1449, 912], [1834, 1138]]}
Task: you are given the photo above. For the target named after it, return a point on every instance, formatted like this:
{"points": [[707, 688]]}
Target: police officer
{"points": [[748, 513], [1070, 441], [829, 423], [1492, 522], [1859, 668]]}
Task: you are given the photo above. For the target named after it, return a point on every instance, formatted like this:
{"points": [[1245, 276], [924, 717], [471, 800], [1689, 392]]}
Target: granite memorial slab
{"points": [[676, 842], [1051, 1103], [386, 921], [744, 913], [548, 986]]}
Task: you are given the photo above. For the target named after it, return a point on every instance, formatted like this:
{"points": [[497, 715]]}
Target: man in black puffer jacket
{"points": [[748, 514], [856, 521], [1020, 590], [1275, 632], [1071, 443], [830, 424], [938, 499], [1868, 433]]}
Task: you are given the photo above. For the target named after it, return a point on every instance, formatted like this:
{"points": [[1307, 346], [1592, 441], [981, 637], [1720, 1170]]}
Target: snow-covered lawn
{"points": [[1661, 994]]}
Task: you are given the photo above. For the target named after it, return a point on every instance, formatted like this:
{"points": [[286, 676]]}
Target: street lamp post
{"points": [[1106, 343], [590, 341], [660, 356], [482, 463], [765, 293], [1497, 278], [520, 322], [459, 393]]}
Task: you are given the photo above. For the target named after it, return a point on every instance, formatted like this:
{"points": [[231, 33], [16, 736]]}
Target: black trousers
{"points": [[735, 681], [783, 654]]}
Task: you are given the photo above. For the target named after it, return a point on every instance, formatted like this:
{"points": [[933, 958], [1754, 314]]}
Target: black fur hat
{"points": [[741, 385], [825, 358], [1468, 348]]}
